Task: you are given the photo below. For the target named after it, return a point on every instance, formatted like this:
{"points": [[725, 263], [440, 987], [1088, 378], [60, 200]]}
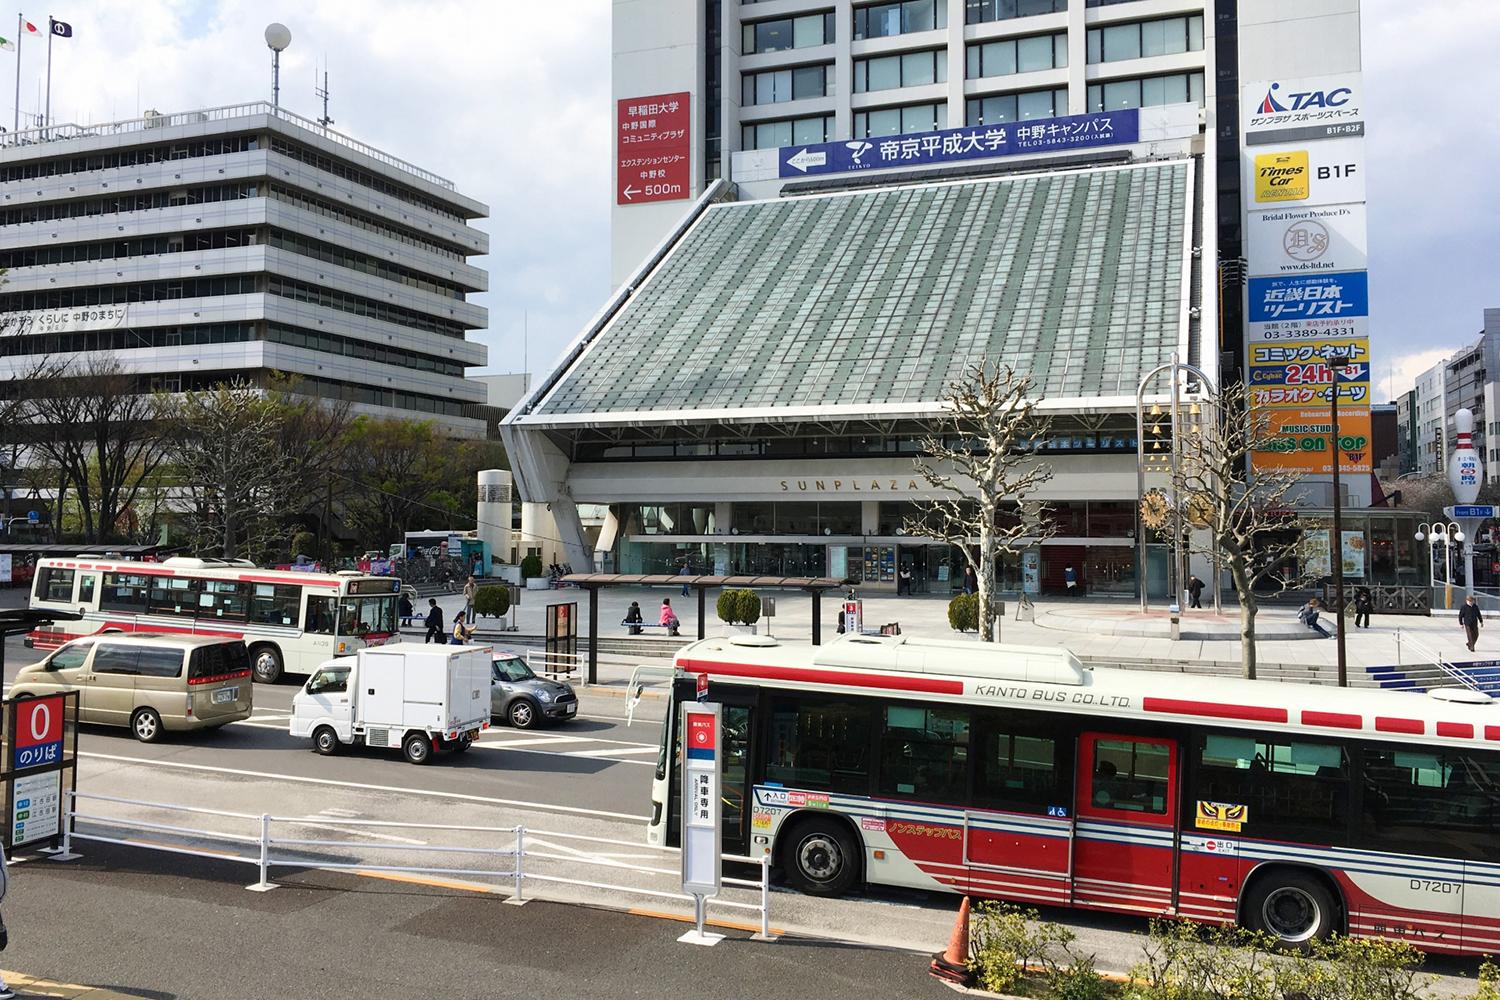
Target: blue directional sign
{"points": [[1041, 135], [1473, 510]]}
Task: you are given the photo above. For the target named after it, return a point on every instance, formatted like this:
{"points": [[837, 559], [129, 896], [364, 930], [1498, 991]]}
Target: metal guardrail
{"points": [[52, 133], [300, 850], [1437, 667], [554, 664]]}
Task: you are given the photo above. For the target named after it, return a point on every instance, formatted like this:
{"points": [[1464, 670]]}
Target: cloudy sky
{"points": [[511, 100]]}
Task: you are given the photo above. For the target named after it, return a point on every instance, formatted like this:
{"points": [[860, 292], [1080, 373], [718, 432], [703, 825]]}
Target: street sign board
{"points": [[701, 869], [41, 750], [654, 148], [36, 808], [39, 732], [702, 687], [1472, 510]]}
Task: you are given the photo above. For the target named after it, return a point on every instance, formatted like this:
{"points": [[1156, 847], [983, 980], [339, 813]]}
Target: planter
{"points": [[737, 629], [538, 583]]}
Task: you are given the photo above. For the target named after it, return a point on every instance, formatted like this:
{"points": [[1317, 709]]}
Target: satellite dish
{"points": [[278, 36]]}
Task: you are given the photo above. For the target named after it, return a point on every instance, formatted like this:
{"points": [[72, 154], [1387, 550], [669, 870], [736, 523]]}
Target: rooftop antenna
{"points": [[278, 37], [322, 92]]}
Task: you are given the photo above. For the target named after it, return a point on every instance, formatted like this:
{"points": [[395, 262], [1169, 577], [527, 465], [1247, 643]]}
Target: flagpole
{"points": [[47, 110], [20, 30]]}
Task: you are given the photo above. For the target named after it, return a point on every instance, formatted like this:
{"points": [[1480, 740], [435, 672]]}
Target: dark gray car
{"points": [[523, 699]]}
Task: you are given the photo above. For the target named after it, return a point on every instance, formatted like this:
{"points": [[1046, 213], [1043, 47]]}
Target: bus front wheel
{"points": [[265, 663], [820, 857], [1296, 908]]}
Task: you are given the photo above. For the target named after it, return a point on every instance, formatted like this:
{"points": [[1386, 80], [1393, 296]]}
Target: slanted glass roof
{"points": [[884, 296]]}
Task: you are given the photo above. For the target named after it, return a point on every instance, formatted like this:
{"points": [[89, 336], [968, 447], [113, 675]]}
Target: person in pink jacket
{"points": [[668, 616]]}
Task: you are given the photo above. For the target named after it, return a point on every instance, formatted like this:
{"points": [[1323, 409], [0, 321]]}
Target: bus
{"points": [[291, 621], [1017, 773]]}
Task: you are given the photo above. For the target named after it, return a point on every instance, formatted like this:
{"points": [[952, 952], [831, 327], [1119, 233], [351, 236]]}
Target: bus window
{"points": [[924, 753], [1437, 801], [222, 599], [823, 745], [124, 592], [86, 583], [173, 596], [53, 584], [1016, 770], [1292, 788], [1130, 775], [320, 612], [275, 603]]}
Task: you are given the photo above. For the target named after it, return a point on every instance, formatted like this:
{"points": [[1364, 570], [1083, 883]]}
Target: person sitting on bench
{"points": [[633, 618], [668, 616]]}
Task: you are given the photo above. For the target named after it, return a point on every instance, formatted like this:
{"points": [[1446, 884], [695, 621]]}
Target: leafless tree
{"points": [[1253, 522], [982, 455]]}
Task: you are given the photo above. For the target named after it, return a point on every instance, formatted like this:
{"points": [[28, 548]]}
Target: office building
{"points": [[240, 241]]}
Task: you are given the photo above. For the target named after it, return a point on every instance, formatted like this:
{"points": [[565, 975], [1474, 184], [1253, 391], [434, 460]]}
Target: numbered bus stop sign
{"points": [[701, 864], [38, 733]]}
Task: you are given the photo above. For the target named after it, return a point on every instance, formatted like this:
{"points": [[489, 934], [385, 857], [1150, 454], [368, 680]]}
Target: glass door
{"points": [[1124, 854]]}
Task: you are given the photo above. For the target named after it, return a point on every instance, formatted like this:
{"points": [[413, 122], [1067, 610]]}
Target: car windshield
{"points": [[512, 668], [329, 679]]}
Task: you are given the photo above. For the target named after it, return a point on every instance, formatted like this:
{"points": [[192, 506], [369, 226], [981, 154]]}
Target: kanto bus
{"points": [[290, 621], [1017, 773]]}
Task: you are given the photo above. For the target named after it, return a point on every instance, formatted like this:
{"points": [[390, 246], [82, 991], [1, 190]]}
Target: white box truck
{"points": [[425, 699]]}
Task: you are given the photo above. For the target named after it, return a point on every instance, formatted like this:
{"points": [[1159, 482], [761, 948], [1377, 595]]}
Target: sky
{"points": [[511, 100]]}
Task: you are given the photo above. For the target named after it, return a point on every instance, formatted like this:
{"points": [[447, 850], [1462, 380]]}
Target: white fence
{"points": [[269, 842]]}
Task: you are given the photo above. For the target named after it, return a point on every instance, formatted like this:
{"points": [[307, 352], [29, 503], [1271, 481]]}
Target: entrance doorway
{"points": [[913, 558]]}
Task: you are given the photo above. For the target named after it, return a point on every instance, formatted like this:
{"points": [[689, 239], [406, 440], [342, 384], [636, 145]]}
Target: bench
{"points": [[666, 629]]}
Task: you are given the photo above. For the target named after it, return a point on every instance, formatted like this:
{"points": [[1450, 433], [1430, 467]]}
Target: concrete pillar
{"points": [[493, 515]]}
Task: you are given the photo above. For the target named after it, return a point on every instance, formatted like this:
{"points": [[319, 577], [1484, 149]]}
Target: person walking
{"points": [[1195, 592], [434, 622], [684, 571], [1364, 603], [462, 631], [668, 617], [903, 581], [470, 589], [407, 611], [1470, 618], [971, 580], [1308, 615], [1070, 579]]}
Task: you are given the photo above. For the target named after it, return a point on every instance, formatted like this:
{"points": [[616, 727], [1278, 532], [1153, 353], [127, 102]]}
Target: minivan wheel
{"points": [[146, 725], [326, 741], [265, 664], [417, 748], [522, 713]]}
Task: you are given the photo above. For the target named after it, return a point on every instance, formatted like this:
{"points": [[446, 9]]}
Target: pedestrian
{"points": [[6, 993], [1070, 578], [841, 621], [684, 571], [903, 581], [470, 589], [462, 631], [1195, 592], [1470, 618], [668, 616], [407, 611], [633, 618], [1364, 603], [434, 622], [1308, 615], [971, 580]]}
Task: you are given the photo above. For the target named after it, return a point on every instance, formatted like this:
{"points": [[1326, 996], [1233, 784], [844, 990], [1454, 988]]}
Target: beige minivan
{"points": [[149, 682]]}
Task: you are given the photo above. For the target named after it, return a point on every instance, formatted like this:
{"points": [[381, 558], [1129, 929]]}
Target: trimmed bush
{"points": [[963, 613], [492, 601], [531, 566], [749, 607], [738, 607], [728, 606]]}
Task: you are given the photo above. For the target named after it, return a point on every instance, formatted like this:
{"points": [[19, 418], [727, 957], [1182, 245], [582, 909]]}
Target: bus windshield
{"points": [[363, 615]]}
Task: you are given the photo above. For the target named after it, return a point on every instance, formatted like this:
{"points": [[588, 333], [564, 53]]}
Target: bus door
{"points": [[1125, 829], [737, 721]]}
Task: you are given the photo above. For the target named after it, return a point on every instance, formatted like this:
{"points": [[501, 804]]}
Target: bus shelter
{"points": [[594, 582]]}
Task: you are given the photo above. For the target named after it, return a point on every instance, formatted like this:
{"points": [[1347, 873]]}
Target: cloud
{"points": [[1398, 375]]}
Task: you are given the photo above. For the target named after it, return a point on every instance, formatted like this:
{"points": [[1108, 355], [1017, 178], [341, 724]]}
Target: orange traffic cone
{"points": [[952, 963]]}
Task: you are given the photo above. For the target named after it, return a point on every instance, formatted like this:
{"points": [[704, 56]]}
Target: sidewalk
{"points": [[27, 987]]}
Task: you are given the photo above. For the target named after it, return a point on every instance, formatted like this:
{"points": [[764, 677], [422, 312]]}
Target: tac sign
{"points": [[700, 800]]}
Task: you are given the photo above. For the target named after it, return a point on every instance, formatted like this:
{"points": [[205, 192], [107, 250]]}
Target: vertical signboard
{"points": [[653, 149], [701, 865], [39, 765], [1307, 309]]}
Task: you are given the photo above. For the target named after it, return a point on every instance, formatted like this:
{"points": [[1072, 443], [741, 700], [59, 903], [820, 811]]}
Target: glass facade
{"points": [[1142, 39], [1001, 108], [1017, 55], [904, 69], [1146, 92]]}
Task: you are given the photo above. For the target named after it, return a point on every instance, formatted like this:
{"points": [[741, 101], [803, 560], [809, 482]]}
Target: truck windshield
{"points": [[329, 679]]}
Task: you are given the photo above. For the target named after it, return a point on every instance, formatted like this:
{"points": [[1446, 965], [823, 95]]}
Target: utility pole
{"points": [[1336, 541]]}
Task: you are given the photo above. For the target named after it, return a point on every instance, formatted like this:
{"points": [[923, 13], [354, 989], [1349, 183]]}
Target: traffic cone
{"points": [[951, 964]]}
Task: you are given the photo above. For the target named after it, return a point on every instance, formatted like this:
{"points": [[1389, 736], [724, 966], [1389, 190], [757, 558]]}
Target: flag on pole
{"points": [[62, 29], [27, 28]]}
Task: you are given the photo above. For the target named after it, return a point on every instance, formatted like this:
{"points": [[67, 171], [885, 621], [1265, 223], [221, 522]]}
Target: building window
{"points": [[1146, 92], [788, 33], [793, 132], [907, 69], [979, 11], [901, 121], [781, 85], [1000, 108], [1018, 55], [1142, 39], [886, 19]]}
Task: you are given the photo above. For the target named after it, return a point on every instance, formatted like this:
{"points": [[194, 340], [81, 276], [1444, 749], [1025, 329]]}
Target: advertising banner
{"points": [[653, 147], [1313, 552], [1307, 108], [1315, 364], [1296, 240], [73, 320], [1291, 298], [1312, 173], [1298, 440]]}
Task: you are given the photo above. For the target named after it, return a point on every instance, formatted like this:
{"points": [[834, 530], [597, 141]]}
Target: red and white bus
{"points": [[1017, 773], [290, 621]]}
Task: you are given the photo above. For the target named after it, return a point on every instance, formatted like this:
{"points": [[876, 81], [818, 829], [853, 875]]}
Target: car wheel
{"points": [[146, 725], [522, 714], [326, 741], [265, 664], [417, 748], [1293, 907], [820, 857]]}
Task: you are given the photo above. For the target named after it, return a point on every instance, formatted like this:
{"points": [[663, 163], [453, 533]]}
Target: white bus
{"points": [[1018, 773], [290, 621]]}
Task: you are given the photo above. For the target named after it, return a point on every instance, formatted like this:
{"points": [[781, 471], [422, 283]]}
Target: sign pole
{"points": [[1336, 537]]}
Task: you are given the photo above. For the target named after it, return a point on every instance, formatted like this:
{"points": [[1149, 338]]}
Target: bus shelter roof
{"points": [[592, 580]]}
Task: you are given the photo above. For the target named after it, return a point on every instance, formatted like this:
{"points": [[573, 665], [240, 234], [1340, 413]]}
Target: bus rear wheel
{"points": [[1295, 908], [820, 857], [265, 664]]}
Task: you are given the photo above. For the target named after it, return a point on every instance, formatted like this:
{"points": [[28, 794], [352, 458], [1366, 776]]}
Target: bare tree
{"points": [[1254, 520], [982, 454]]}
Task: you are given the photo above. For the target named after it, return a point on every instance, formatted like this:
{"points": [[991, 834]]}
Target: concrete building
{"points": [[1431, 417], [1406, 431], [238, 241]]}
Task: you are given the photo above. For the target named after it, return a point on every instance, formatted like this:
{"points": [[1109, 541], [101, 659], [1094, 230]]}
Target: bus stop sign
{"points": [[702, 687], [701, 866]]}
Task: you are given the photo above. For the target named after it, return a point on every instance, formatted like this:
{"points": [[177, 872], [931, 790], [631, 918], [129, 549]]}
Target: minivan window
{"points": [[70, 657], [159, 662], [222, 659], [116, 659]]}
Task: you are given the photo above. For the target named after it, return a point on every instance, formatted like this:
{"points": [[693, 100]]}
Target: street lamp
{"points": [[1449, 534]]}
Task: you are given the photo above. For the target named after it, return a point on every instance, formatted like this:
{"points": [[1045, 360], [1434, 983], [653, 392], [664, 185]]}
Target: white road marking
{"points": [[356, 831], [333, 783], [525, 742], [607, 751], [558, 753]]}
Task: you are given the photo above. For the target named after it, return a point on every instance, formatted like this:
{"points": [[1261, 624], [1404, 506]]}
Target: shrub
{"points": [[1489, 981], [749, 607], [531, 566], [492, 601], [1005, 941], [1079, 980], [1344, 968], [728, 606], [304, 543], [738, 607], [963, 613]]}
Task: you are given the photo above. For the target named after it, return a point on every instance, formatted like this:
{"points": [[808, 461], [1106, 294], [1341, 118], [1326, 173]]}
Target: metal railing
{"points": [[554, 664], [265, 849], [1433, 665], [69, 130]]}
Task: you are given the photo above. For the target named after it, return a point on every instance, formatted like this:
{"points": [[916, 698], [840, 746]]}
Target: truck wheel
{"points": [[265, 664], [464, 742], [418, 748], [325, 741]]}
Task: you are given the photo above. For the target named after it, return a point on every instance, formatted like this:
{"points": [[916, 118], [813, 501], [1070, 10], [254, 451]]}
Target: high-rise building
{"points": [[238, 242]]}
